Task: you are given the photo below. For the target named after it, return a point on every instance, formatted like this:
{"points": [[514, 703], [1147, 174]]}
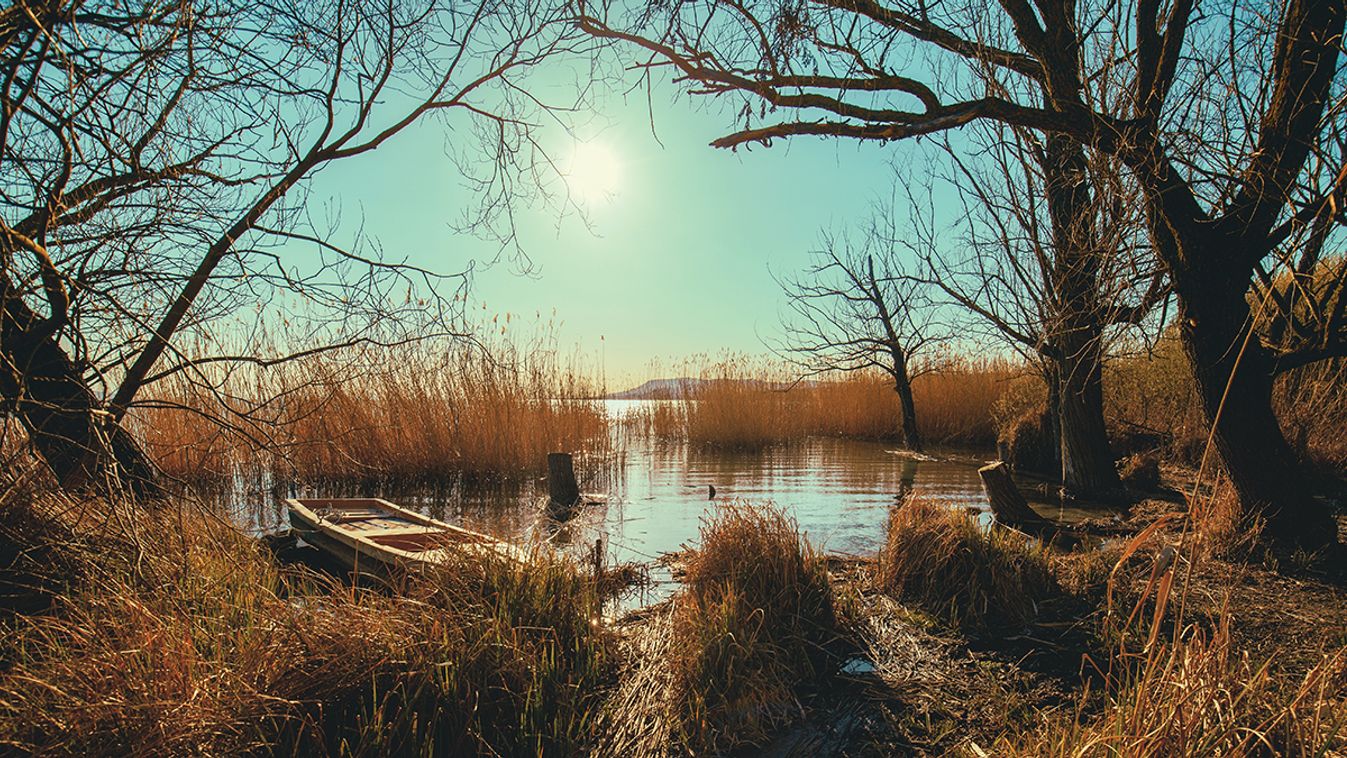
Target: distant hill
{"points": [[673, 389], [658, 389]]}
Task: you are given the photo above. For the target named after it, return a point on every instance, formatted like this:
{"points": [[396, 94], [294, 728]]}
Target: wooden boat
{"points": [[376, 537]]}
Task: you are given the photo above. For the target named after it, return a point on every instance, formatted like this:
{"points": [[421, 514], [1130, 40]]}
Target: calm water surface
{"points": [[838, 490]]}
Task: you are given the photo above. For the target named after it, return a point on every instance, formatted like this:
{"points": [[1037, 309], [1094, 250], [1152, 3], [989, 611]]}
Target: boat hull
{"points": [[346, 555], [378, 538]]}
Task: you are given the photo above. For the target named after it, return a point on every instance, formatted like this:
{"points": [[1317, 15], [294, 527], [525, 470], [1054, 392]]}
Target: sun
{"points": [[593, 173]]}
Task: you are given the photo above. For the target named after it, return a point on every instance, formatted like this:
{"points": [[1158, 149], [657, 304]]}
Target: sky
{"points": [[675, 259]]}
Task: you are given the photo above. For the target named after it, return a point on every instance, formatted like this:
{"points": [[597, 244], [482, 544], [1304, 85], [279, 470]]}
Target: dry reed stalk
{"points": [[640, 720]]}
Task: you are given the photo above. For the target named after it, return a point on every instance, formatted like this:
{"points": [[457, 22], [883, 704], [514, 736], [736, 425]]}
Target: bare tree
{"points": [[155, 158], [854, 309], [1056, 286], [1223, 118]]}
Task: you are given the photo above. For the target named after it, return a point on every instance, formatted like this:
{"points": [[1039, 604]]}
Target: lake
{"points": [[839, 490]]}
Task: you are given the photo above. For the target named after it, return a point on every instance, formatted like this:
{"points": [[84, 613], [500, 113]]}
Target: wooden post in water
{"points": [[1008, 505], [563, 494], [597, 558]]}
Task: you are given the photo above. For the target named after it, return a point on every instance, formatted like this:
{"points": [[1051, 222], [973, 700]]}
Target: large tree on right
{"points": [[1227, 117]]}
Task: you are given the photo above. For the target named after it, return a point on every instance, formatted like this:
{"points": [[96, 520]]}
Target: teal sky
{"points": [[675, 264]]}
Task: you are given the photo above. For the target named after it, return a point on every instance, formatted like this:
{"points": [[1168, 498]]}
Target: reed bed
{"points": [[424, 414], [181, 637], [738, 403]]}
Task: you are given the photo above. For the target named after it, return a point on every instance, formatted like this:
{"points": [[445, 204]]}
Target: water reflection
{"points": [[839, 491]]}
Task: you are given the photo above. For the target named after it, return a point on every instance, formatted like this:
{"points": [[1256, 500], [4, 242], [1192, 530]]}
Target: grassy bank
{"points": [[175, 635], [1179, 654], [134, 631], [156, 632]]}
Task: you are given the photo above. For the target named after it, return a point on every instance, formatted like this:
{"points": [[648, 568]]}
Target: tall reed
{"points": [[416, 413], [1152, 392], [740, 403]]}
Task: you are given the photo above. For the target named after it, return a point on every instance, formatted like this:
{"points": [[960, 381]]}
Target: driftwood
{"points": [[1008, 504]]}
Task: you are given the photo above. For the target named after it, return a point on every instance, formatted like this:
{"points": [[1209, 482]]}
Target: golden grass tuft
{"points": [[972, 577], [722, 667], [752, 625]]}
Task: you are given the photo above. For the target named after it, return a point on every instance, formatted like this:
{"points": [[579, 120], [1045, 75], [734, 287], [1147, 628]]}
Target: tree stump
{"points": [[1008, 505], [563, 494]]}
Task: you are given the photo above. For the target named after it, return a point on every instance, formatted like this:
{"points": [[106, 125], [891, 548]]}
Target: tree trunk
{"points": [[563, 493], [63, 418], [1052, 425], [1262, 467], [911, 435], [1087, 459], [1007, 502], [1077, 330]]}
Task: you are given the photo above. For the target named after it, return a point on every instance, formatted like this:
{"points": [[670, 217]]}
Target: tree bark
{"points": [[1234, 375], [1086, 456], [65, 421], [1053, 422], [911, 435], [1077, 336]]}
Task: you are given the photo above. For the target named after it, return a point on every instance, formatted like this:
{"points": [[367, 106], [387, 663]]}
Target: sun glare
{"points": [[593, 173]]}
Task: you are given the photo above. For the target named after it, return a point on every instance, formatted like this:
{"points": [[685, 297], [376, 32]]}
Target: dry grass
{"points": [[752, 626], [738, 403], [1175, 686], [945, 562], [1312, 408], [750, 629], [1152, 395], [1219, 524], [181, 638], [414, 414], [1179, 689], [1201, 697]]}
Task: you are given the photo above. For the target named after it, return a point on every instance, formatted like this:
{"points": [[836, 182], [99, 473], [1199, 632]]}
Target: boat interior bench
{"points": [[416, 542]]}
